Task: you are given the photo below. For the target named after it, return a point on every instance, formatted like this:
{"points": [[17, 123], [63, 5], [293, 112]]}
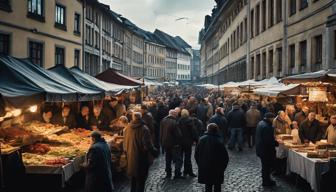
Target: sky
{"points": [[184, 18]]}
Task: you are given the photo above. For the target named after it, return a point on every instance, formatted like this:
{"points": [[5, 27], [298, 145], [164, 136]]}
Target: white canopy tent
{"points": [[277, 90]]}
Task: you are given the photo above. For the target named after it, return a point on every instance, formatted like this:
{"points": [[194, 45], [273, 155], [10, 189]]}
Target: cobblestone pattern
{"points": [[242, 175]]}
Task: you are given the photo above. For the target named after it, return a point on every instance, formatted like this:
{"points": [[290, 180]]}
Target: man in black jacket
{"points": [[170, 139], [265, 148], [65, 118], [98, 166], [236, 122], [212, 159], [220, 120], [310, 130]]}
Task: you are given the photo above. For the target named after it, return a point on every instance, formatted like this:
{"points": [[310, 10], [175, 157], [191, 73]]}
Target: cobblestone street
{"points": [[242, 174]]}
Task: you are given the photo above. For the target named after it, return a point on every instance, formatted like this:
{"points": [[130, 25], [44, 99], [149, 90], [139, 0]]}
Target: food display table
{"points": [[309, 169], [65, 171]]}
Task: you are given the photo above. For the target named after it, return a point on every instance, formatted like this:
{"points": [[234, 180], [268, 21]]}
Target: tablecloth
{"points": [[309, 169], [66, 171]]}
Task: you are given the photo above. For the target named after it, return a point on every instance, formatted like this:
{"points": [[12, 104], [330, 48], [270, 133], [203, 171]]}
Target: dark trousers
{"points": [[267, 164], [173, 154], [213, 188], [187, 169], [250, 134], [138, 184]]}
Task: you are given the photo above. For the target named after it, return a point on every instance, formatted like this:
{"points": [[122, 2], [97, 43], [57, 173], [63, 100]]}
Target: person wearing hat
{"points": [[212, 159], [98, 166], [265, 148]]}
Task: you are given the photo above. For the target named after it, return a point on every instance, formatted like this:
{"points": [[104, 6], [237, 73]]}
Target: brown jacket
{"points": [[253, 117]]}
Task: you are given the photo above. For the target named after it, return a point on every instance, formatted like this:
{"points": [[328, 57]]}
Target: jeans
{"points": [[213, 188], [187, 169], [177, 159], [236, 135]]}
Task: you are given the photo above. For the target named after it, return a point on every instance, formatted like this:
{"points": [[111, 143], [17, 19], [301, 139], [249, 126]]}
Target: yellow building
{"points": [[49, 32], [258, 39]]}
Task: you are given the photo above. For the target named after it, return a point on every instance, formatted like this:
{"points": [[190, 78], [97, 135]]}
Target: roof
{"points": [[181, 42], [323, 75], [170, 41], [112, 76]]}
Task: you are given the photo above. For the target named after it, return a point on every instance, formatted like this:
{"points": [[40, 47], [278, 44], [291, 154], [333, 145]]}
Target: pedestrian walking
{"points": [[189, 136], [170, 139], [253, 116], [265, 148], [212, 159], [140, 152], [236, 122], [220, 120], [98, 166]]}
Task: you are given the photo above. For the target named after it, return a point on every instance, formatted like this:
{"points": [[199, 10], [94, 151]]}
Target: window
{"points": [[252, 67], [271, 13], [303, 54], [4, 44], [263, 15], [252, 23], [5, 5], [77, 57], [257, 20], [279, 59], [59, 56], [317, 53], [292, 56], [303, 4], [36, 53], [35, 9], [279, 10], [77, 24], [257, 65], [60, 17], [292, 7], [264, 65], [270, 61]]}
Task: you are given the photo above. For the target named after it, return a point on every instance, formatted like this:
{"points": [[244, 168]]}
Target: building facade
{"points": [[258, 39], [195, 65], [48, 32], [155, 55]]}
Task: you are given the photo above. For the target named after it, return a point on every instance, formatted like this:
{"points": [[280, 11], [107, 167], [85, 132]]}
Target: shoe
{"points": [[179, 177], [270, 183]]}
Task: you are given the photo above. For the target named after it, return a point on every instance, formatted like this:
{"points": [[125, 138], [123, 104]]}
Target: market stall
{"points": [[48, 149], [112, 76]]}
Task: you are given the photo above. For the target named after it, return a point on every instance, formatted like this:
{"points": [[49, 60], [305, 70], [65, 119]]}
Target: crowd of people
{"points": [[171, 121]]}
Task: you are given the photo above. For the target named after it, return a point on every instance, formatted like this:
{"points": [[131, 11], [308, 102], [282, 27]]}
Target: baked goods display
{"points": [[43, 128], [31, 159]]}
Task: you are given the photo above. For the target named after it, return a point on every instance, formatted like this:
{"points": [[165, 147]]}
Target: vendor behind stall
{"points": [[310, 130], [98, 121], [83, 120], [47, 115], [301, 115], [331, 131], [281, 126], [65, 118]]}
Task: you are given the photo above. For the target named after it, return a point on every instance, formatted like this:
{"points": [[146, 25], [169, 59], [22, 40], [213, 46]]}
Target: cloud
{"points": [[164, 15]]}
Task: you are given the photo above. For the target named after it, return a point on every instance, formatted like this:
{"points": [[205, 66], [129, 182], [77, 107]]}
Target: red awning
{"points": [[112, 76]]}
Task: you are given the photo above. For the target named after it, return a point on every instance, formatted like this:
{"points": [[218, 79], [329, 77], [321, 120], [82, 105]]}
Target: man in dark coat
{"points": [[212, 159], [237, 123], [65, 118], [220, 120], [301, 115], [139, 151], [147, 117], [189, 136], [310, 130], [83, 118], [98, 166], [265, 148], [170, 139], [98, 120], [201, 111]]}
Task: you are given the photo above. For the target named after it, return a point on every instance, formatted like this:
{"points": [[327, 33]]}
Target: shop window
{"points": [[292, 7], [303, 4], [77, 58], [303, 56], [36, 53]]}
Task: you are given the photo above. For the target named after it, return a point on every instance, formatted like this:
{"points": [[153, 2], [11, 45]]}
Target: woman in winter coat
{"points": [[212, 159]]}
